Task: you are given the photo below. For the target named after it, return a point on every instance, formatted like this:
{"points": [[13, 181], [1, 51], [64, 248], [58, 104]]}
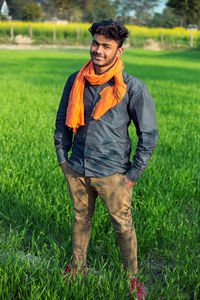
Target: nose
{"points": [[99, 49]]}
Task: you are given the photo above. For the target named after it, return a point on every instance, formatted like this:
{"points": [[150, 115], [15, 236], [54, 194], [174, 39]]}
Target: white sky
{"points": [[158, 9], [160, 6]]}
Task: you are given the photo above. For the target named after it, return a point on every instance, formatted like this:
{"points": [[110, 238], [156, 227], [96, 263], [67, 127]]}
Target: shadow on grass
{"points": [[51, 70], [187, 55], [143, 72], [55, 70], [164, 73]]}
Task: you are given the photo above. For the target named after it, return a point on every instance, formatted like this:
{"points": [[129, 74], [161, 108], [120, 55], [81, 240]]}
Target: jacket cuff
{"points": [[133, 174], [61, 155]]}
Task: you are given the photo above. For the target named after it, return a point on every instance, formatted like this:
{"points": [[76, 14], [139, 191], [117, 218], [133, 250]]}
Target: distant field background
{"points": [[77, 33], [35, 207]]}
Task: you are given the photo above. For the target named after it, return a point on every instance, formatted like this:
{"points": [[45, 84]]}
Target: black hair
{"points": [[111, 30]]}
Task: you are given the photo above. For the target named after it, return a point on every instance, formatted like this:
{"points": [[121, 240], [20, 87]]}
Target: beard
{"points": [[105, 62]]}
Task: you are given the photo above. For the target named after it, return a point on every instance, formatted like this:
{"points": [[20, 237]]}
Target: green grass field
{"points": [[35, 207]]}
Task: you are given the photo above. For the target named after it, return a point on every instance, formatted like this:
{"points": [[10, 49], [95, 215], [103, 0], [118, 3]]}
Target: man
{"points": [[96, 109]]}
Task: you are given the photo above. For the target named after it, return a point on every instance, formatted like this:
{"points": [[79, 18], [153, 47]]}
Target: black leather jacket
{"points": [[102, 147]]}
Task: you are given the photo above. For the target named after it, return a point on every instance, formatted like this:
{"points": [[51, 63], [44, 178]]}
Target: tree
{"points": [[31, 11], [15, 8], [69, 9], [25, 9], [166, 20], [142, 9], [92, 10], [96, 10], [49, 8], [187, 10]]}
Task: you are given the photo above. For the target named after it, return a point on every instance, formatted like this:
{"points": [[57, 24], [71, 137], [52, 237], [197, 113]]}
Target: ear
{"points": [[119, 51]]}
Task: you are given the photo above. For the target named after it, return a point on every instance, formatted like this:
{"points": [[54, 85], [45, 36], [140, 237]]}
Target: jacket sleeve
{"points": [[63, 134], [142, 112]]}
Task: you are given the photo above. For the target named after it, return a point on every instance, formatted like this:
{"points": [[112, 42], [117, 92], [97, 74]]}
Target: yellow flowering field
{"points": [[177, 35], [78, 32]]}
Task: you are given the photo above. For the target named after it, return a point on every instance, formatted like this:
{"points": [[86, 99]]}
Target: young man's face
{"points": [[103, 52]]}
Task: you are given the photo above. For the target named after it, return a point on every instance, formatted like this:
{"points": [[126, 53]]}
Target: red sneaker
{"points": [[138, 288], [70, 271]]}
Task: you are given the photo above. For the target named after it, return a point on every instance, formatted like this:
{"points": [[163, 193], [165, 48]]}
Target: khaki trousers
{"points": [[117, 198]]}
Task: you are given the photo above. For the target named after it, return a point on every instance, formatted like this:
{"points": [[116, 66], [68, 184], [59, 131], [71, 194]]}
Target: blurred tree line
{"points": [[138, 12]]}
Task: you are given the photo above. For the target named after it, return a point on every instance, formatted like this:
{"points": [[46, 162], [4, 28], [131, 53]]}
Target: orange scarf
{"points": [[109, 96]]}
